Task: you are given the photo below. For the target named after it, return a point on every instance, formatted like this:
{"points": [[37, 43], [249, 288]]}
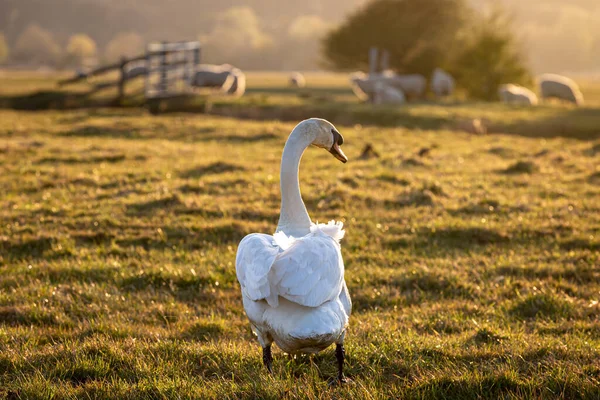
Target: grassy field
{"points": [[474, 269]]}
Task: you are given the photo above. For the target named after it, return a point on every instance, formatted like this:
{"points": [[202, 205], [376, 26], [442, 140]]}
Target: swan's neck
{"points": [[293, 219]]}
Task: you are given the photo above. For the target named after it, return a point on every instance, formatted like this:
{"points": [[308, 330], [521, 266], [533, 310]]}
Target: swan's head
{"points": [[323, 134]]}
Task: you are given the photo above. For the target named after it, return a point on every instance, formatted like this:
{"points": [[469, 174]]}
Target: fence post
{"points": [[122, 80], [385, 60], [163, 70], [373, 58]]}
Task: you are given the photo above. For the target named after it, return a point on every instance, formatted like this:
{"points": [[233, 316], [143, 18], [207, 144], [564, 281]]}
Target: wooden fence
{"points": [[168, 68]]}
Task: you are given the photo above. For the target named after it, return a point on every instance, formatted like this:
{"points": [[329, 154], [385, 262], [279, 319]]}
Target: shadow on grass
{"points": [[468, 238], [218, 167], [14, 316], [152, 206], [203, 332], [500, 386], [545, 306], [189, 239], [104, 131], [160, 281], [110, 158]]}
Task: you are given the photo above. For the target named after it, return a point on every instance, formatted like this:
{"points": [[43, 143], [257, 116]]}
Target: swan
{"points": [[293, 287]]}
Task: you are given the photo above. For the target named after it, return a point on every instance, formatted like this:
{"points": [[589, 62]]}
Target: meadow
{"points": [[473, 262]]}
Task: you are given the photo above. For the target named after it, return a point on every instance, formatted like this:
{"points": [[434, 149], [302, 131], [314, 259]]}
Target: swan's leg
{"points": [[340, 353], [268, 358], [265, 341]]}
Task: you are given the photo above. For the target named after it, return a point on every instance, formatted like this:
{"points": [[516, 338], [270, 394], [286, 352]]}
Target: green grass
{"points": [[474, 270]]}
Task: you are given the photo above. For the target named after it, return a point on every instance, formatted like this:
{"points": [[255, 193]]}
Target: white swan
{"points": [[293, 286]]}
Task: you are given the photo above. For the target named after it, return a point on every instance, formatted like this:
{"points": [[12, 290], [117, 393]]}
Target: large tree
{"points": [[422, 35], [417, 33]]}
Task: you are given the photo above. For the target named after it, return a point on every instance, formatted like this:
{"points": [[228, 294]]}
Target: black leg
{"points": [[268, 358], [339, 355]]}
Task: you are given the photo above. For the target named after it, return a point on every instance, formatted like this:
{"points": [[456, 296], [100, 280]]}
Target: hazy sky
{"points": [[558, 35]]}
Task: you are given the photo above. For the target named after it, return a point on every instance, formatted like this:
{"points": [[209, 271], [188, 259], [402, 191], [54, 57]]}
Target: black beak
{"points": [[335, 149]]}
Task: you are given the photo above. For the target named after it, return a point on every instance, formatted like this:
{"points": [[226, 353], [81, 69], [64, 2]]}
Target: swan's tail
{"points": [[335, 229]]}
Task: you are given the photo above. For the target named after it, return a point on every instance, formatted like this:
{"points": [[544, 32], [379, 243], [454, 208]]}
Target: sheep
{"points": [[213, 76], [365, 86], [560, 87], [297, 80], [362, 87], [514, 94], [442, 84], [238, 85], [412, 85], [387, 95]]}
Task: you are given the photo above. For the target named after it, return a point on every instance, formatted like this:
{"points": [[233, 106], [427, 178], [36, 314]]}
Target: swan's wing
{"points": [[255, 256], [310, 272]]}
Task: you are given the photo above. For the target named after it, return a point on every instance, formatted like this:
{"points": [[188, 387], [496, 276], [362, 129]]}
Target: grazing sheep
{"points": [[412, 86], [560, 87], [514, 94], [135, 71], [365, 86], [387, 95], [214, 76], [297, 80], [442, 84], [238, 85], [362, 86]]}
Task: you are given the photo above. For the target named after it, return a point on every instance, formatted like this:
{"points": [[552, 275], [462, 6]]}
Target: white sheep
{"points": [[238, 85], [213, 76], [560, 87], [515, 94], [442, 83], [297, 80], [387, 95], [412, 85], [362, 87]]}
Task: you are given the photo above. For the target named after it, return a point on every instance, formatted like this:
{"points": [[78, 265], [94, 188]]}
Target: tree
{"points": [[490, 58], [124, 44], [80, 48], [421, 35], [417, 33], [36, 44], [237, 38], [4, 52]]}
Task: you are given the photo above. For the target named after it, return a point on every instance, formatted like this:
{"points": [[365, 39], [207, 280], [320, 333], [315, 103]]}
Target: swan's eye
{"points": [[337, 137]]}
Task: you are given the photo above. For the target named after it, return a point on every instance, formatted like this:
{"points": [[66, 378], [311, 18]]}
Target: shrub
{"points": [[36, 44]]}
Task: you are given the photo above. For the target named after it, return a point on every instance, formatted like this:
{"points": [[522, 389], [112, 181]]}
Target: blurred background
{"points": [[552, 35]]}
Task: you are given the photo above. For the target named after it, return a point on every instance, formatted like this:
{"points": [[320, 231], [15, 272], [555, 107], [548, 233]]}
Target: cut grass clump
{"points": [[486, 336], [594, 178], [543, 305], [503, 152], [390, 177], [205, 331], [522, 167], [417, 198], [413, 162], [211, 169]]}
